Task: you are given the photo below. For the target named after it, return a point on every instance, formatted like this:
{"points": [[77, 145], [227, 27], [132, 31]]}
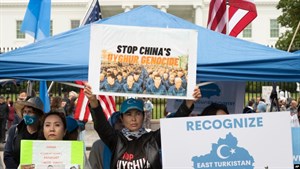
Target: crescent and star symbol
{"points": [[219, 149]]}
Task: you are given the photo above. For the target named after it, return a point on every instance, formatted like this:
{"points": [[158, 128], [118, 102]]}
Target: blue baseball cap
{"points": [[130, 104], [114, 118]]}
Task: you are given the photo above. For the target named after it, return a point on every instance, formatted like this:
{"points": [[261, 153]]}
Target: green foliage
{"points": [[290, 18]]}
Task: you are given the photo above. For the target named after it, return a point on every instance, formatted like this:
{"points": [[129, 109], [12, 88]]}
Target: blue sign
{"points": [[296, 146], [225, 154]]}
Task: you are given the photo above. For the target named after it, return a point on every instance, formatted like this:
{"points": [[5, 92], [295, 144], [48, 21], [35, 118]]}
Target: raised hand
{"points": [[88, 93], [196, 95]]}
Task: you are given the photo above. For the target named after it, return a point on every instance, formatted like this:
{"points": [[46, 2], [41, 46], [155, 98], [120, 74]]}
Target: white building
{"points": [[67, 14]]}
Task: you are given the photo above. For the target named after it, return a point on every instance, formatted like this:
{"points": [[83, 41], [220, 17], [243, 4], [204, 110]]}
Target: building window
{"points": [[51, 28], [20, 35], [75, 24], [274, 28], [247, 32]]}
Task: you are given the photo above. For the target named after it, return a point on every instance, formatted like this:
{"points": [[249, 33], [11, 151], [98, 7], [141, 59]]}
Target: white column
{"points": [[163, 7], [127, 7], [199, 14]]}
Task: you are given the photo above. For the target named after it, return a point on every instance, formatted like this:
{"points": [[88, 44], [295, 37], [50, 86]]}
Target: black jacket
{"points": [[4, 110], [150, 143], [13, 144]]}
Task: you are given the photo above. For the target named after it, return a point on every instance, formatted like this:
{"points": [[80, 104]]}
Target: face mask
{"points": [[29, 119]]}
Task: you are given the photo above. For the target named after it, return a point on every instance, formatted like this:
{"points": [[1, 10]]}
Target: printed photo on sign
{"points": [[142, 62], [228, 141]]}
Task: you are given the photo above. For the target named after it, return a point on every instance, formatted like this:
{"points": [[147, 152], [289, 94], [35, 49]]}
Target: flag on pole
{"points": [[44, 96], [82, 111], [36, 21], [108, 105], [93, 14], [238, 15]]}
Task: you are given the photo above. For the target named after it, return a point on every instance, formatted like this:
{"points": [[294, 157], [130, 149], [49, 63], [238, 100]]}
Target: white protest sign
{"points": [[230, 94], [266, 93], [131, 61], [248, 141]]}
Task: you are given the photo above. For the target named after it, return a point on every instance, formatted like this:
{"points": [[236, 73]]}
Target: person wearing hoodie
{"points": [[31, 112]]}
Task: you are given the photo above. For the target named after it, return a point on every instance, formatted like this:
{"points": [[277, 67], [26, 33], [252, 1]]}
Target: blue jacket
{"points": [[174, 92], [120, 83], [102, 84], [135, 89], [168, 84], [114, 88], [161, 90]]}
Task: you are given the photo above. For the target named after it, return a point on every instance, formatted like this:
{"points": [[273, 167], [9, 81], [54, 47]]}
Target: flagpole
{"points": [[87, 11], [227, 17], [294, 36]]}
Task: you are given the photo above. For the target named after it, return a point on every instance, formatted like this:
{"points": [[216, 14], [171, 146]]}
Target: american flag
{"points": [[108, 105], [240, 14], [93, 14]]}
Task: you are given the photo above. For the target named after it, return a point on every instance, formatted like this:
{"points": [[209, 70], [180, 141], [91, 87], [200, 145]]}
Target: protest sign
{"points": [[266, 93], [249, 141], [142, 61], [296, 146], [227, 93], [60, 154]]}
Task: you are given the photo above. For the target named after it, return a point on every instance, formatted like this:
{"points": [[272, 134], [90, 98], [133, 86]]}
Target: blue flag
{"points": [[93, 14], [36, 21], [44, 96]]}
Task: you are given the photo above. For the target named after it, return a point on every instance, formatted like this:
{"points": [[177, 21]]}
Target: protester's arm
{"points": [[8, 158], [101, 125], [184, 110]]}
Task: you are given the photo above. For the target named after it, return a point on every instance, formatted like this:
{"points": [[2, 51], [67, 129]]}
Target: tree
{"points": [[290, 18]]}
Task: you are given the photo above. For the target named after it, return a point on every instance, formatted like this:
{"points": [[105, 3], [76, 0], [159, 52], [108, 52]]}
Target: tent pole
{"points": [[292, 41], [49, 89], [72, 84], [29, 88]]}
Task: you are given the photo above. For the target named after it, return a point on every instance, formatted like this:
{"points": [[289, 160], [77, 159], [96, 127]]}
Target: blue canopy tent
{"points": [[297, 52], [64, 57]]}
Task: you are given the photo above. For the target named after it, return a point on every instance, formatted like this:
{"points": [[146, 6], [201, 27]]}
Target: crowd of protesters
{"points": [[25, 119], [279, 104]]}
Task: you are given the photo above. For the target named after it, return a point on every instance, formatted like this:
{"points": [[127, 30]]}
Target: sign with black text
{"points": [[142, 61]]}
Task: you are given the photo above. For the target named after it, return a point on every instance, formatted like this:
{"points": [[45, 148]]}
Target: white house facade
{"points": [[68, 14]]}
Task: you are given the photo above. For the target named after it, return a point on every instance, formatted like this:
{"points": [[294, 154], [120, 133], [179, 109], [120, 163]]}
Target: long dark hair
{"points": [[213, 108]]}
